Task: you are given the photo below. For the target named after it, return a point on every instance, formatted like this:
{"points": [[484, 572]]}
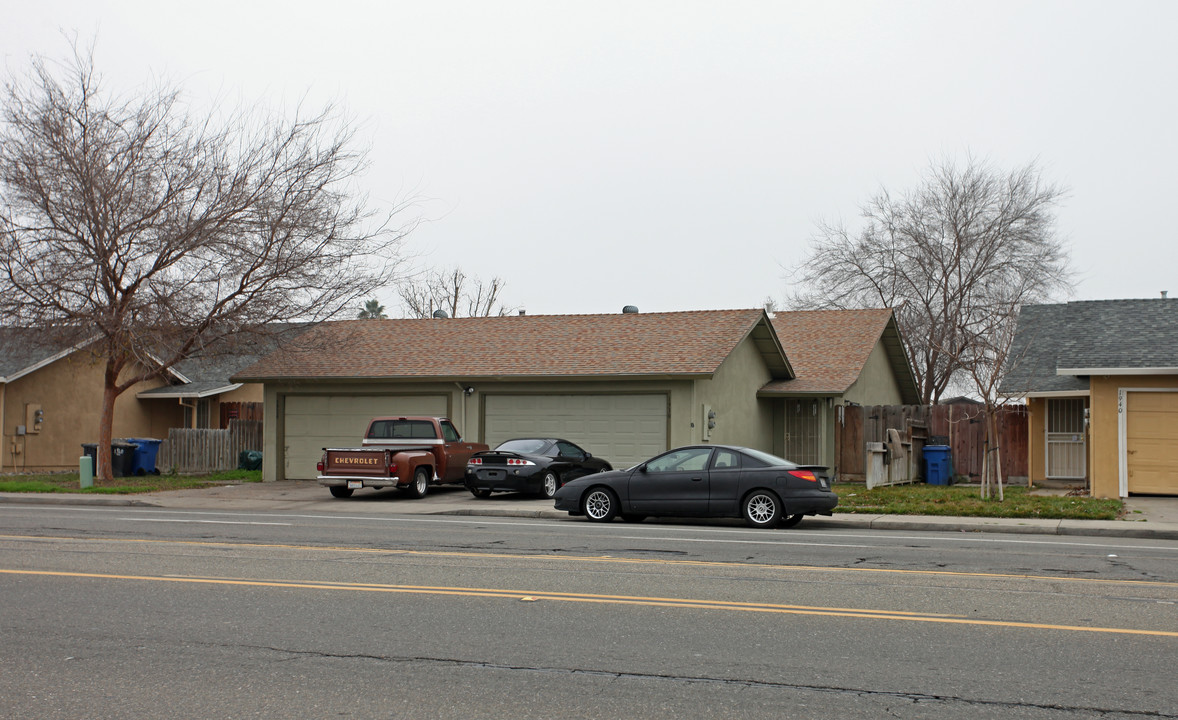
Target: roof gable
{"points": [[624, 345], [829, 349]]}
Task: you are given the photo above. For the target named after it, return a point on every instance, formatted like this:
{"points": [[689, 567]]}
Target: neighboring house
{"points": [[51, 403], [51, 399], [624, 386], [1101, 382]]}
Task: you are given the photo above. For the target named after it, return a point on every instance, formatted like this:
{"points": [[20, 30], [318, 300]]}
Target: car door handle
{"points": [[696, 479]]}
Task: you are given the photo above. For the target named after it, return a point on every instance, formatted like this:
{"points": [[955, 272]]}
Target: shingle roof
{"points": [[1077, 338], [829, 348], [23, 349], [624, 345]]}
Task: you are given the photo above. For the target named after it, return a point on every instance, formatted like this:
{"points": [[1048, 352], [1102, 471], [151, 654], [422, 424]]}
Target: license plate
{"points": [[355, 484]]}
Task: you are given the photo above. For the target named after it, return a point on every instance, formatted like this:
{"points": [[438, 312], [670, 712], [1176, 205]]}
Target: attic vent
{"points": [[630, 310], [441, 314]]}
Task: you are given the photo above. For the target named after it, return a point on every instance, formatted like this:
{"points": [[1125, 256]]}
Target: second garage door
{"points": [[313, 422], [1151, 441], [623, 429]]}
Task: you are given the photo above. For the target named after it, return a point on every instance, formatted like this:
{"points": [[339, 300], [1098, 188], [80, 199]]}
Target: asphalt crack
{"points": [[907, 697]]}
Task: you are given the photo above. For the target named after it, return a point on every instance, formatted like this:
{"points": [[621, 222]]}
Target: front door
{"points": [[1067, 451], [803, 431], [675, 483]]}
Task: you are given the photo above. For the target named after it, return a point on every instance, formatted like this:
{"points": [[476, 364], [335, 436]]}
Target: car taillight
{"points": [[807, 475], [475, 461], [518, 461], [319, 466]]}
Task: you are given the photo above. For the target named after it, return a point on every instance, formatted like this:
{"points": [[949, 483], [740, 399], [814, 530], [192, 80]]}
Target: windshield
{"points": [[767, 459], [524, 445]]}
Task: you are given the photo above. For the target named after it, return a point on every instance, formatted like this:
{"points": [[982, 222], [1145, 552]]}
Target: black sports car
{"points": [[704, 481], [535, 465]]}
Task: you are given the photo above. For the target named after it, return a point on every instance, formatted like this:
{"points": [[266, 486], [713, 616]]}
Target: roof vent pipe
{"points": [[522, 312], [440, 314], [1164, 292], [630, 310]]}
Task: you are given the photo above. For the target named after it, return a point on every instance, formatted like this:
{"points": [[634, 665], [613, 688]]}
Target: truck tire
{"points": [[420, 485], [340, 491]]}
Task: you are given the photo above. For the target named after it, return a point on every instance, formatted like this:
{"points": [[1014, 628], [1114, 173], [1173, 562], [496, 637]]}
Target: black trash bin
{"points": [[122, 457]]}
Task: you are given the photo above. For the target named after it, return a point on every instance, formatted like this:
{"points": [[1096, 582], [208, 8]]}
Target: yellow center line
{"points": [[606, 559], [684, 603]]}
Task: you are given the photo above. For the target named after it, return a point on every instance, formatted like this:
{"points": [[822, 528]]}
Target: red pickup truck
{"points": [[410, 453]]}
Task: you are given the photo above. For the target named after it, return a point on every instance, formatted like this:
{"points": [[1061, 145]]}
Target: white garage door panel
{"points": [[1151, 438], [313, 422], [623, 429]]}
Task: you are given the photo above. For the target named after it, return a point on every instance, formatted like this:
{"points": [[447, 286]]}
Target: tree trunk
{"points": [[110, 392]]}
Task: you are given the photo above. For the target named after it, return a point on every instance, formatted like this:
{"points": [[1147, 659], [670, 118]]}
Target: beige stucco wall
{"points": [[1103, 430], [876, 384], [741, 418], [69, 392], [1037, 445]]}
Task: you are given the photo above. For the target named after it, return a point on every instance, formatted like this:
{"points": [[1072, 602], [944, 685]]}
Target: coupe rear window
{"points": [[527, 445], [756, 458]]}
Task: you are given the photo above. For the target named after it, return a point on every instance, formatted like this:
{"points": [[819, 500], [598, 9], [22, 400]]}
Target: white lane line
{"points": [[207, 522], [825, 535]]}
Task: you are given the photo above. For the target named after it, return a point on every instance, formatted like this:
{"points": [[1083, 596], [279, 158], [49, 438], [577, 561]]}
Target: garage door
{"points": [[623, 429], [313, 422], [1151, 442]]}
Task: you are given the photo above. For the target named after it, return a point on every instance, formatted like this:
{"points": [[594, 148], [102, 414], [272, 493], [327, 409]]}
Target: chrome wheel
{"points": [[420, 484], [601, 505], [762, 509], [549, 484]]}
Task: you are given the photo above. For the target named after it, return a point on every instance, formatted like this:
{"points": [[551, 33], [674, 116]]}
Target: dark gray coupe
{"points": [[704, 481]]}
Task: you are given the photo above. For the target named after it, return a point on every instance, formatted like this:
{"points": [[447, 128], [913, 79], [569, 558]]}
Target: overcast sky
{"points": [[678, 155]]}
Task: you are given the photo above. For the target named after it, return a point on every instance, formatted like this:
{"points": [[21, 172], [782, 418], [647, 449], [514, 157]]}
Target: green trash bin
{"points": [[249, 460]]}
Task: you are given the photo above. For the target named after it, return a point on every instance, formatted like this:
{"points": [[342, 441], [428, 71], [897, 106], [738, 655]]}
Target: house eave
{"points": [[1118, 371], [180, 393], [1049, 394]]}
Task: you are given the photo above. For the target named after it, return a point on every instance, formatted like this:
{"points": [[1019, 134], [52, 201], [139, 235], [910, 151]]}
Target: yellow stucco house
{"points": [[51, 400], [1100, 379]]}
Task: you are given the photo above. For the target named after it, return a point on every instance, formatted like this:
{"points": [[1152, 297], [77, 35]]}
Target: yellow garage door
{"points": [[622, 429], [313, 422], [1151, 442]]}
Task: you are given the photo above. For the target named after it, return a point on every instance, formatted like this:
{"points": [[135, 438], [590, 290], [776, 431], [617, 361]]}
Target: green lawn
{"points": [[966, 500], [68, 482], [916, 499]]}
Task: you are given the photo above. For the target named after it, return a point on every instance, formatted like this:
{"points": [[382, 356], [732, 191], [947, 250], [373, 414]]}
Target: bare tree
{"points": [[967, 243], [152, 231], [453, 292]]}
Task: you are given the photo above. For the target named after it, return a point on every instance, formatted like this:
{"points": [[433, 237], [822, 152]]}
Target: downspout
{"points": [[3, 393], [191, 407]]}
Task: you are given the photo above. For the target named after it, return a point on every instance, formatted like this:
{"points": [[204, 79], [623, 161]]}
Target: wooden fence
{"points": [[200, 451], [240, 411], [961, 427]]}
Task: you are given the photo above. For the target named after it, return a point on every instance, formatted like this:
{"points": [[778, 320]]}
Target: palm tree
{"points": [[373, 310]]}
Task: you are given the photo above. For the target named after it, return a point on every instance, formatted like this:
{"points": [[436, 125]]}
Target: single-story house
{"points": [[51, 399], [1101, 382], [624, 386]]}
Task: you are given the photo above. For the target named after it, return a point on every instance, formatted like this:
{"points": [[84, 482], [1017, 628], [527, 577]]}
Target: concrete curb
{"points": [[261, 496]]}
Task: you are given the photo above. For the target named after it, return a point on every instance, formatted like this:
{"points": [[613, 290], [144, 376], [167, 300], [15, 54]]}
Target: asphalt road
{"points": [[128, 612]]}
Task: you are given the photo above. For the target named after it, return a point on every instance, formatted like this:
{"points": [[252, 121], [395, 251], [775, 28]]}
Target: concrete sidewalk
{"points": [[1146, 517]]}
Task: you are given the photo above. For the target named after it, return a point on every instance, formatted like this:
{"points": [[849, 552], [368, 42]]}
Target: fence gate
{"points": [[1067, 454]]}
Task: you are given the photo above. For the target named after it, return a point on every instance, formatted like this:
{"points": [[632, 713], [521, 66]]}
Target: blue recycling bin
{"points": [[143, 457], [938, 465]]}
